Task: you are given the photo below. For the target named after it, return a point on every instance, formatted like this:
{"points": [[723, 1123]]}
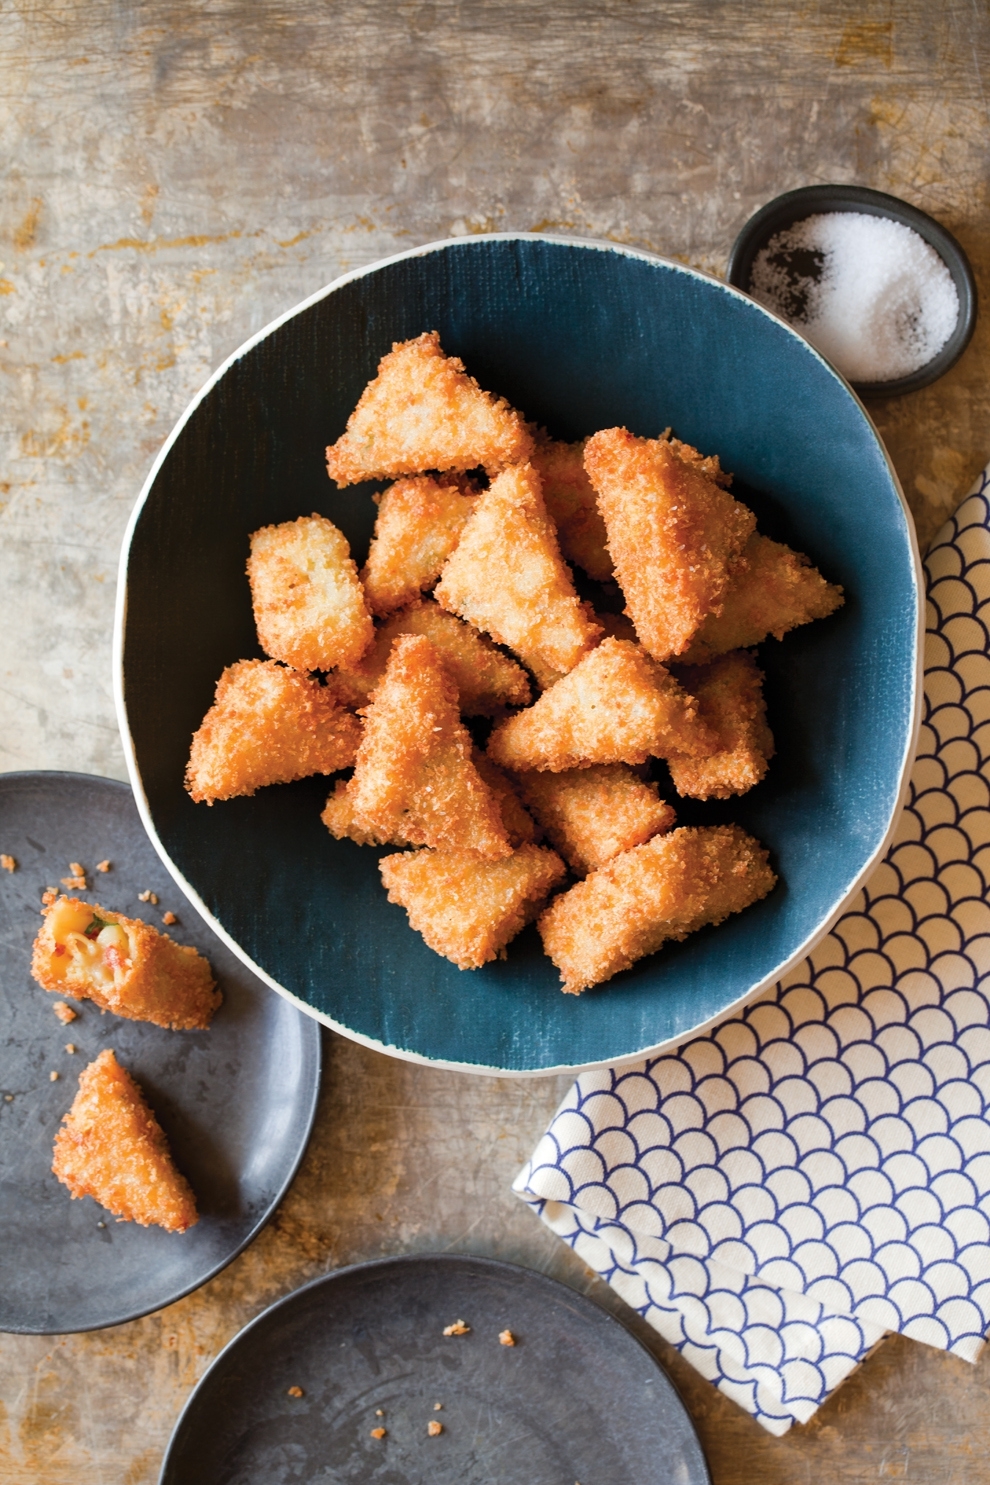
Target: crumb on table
{"points": [[53, 1076], [295, 1392], [103, 866], [151, 897], [70, 1047], [437, 1407], [434, 1427], [379, 1412], [378, 1433], [76, 882], [8, 1098], [7, 862], [506, 1338], [64, 1012], [458, 1328], [169, 918]]}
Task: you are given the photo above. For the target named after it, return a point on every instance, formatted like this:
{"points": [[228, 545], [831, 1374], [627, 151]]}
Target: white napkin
{"points": [[779, 1193]]}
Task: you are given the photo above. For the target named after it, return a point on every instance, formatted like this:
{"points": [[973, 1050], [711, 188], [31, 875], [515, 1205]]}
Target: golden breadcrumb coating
{"points": [[772, 590], [487, 681], [123, 965], [730, 699], [572, 506], [707, 463], [268, 725], [419, 524], [593, 814], [672, 534], [664, 889], [309, 605], [616, 706], [422, 411], [110, 1146], [520, 826], [413, 777], [465, 907], [338, 816], [507, 577], [618, 626]]}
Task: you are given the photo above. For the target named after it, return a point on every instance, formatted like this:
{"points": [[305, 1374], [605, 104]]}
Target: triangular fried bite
{"points": [[729, 692], [487, 681], [309, 604], [592, 814], [422, 411], [419, 524], [572, 506], [519, 824], [465, 907], [507, 577], [123, 965], [616, 706], [707, 463], [672, 534], [413, 777], [662, 890], [772, 590], [110, 1146], [339, 818], [268, 725]]}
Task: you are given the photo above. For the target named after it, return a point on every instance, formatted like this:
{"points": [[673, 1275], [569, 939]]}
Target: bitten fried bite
{"points": [[268, 725], [413, 777], [419, 524], [422, 411], [572, 506], [771, 590], [111, 1147], [309, 605], [465, 907], [507, 577], [593, 814], [729, 692], [616, 706], [672, 534], [665, 889], [487, 681], [124, 966]]}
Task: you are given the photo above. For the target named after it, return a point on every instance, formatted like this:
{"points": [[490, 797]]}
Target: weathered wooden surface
{"points": [[177, 175]]}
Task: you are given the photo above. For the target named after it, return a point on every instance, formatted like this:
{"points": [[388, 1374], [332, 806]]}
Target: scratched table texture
{"points": [[177, 175]]}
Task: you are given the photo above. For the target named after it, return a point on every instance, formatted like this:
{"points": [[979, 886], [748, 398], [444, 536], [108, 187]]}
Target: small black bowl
{"points": [[783, 211]]}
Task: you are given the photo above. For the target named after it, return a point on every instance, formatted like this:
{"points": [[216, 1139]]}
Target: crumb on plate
{"points": [[378, 1433], [295, 1392], [458, 1328], [75, 883], [7, 862], [70, 1047], [103, 866], [149, 896], [64, 1012], [506, 1338], [169, 918], [53, 1076], [433, 1428]]}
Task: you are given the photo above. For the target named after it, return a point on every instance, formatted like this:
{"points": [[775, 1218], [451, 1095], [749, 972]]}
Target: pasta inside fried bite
{"points": [[123, 965], [309, 605], [268, 725], [111, 1147], [465, 907], [422, 411], [673, 534]]}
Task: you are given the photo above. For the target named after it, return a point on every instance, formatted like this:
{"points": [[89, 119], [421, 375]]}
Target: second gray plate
{"points": [[236, 1102]]}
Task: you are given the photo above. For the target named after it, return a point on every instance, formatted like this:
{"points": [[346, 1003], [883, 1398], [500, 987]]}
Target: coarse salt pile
{"points": [[868, 292]]}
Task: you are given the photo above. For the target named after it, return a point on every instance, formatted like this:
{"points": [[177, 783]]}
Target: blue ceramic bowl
{"points": [[580, 336]]}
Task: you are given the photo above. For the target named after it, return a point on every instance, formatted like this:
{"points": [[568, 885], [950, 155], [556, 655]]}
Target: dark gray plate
{"points": [[576, 1399], [237, 1102]]}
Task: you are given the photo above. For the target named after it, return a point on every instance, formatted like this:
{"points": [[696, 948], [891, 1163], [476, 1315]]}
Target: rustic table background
{"points": [[176, 175]]}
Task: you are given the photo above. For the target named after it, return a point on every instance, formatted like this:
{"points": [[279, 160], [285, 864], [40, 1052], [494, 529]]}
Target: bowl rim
{"points": [[751, 993], [792, 206]]}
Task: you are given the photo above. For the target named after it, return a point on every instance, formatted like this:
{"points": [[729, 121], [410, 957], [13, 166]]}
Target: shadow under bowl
{"points": [[795, 206]]}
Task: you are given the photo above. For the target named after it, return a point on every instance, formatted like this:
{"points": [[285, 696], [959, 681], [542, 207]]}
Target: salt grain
{"points": [[868, 292]]}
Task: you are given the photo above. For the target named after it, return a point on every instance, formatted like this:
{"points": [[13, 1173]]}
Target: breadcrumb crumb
{"points": [[506, 1338], [434, 1427], [378, 1433], [169, 918], [70, 1047], [295, 1392], [49, 896], [75, 883], [53, 1077], [458, 1328], [7, 862], [149, 896], [64, 1012], [103, 866]]}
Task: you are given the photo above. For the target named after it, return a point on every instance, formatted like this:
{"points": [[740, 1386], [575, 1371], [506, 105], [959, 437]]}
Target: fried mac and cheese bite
{"points": [[111, 1147], [268, 725], [592, 814], [465, 907], [771, 590], [487, 681], [572, 505], [729, 692], [420, 520], [414, 779], [673, 534], [507, 577], [123, 965], [665, 889], [616, 706], [422, 411], [309, 605]]}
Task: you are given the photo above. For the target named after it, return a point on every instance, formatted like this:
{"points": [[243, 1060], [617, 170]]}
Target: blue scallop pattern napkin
{"points": [[777, 1195]]}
